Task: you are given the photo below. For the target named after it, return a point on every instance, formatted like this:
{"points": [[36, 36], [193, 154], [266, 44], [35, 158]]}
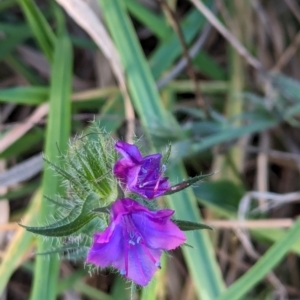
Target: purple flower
{"points": [[141, 175], [134, 240]]}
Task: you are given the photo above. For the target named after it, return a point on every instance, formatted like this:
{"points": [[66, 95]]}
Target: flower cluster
{"points": [[134, 235], [134, 240]]}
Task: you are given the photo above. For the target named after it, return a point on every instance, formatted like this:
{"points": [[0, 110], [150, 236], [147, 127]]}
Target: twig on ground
{"points": [[250, 224], [191, 71], [254, 62], [21, 129], [182, 63]]}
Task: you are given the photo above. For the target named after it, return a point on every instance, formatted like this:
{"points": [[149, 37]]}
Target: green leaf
{"points": [[68, 282], [186, 183], [207, 87], [229, 133], [119, 289], [11, 42], [112, 114], [188, 225], [57, 135], [155, 23], [16, 63], [19, 245], [25, 95], [212, 194], [208, 66], [78, 217], [287, 86], [90, 292], [40, 27], [24, 143]]}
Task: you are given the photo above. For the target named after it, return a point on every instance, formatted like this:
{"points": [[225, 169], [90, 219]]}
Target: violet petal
{"points": [[129, 151], [105, 251], [160, 232]]}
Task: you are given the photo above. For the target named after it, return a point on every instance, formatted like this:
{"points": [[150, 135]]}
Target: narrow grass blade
{"points": [[68, 282], [223, 136], [19, 244], [154, 22], [112, 114], [25, 95], [11, 42], [23, 144], [119, 290], [21, 68], [208, 66], [39, 26], [169, 49], [207, 87], [58, 131], [202, 262], [91, 292]]}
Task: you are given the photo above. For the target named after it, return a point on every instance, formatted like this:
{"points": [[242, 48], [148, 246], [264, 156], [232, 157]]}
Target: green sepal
{"points": [[62, 172], [59, 204], [75, 220], [186, 183], [187, 225]]}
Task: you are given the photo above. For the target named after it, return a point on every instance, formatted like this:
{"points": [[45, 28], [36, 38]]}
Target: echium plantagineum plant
{"points": [[110, 213]]}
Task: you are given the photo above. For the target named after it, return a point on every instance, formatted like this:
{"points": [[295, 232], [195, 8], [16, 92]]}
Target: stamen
{"points": [[123, 272], [141, 185], [156, 185]]}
